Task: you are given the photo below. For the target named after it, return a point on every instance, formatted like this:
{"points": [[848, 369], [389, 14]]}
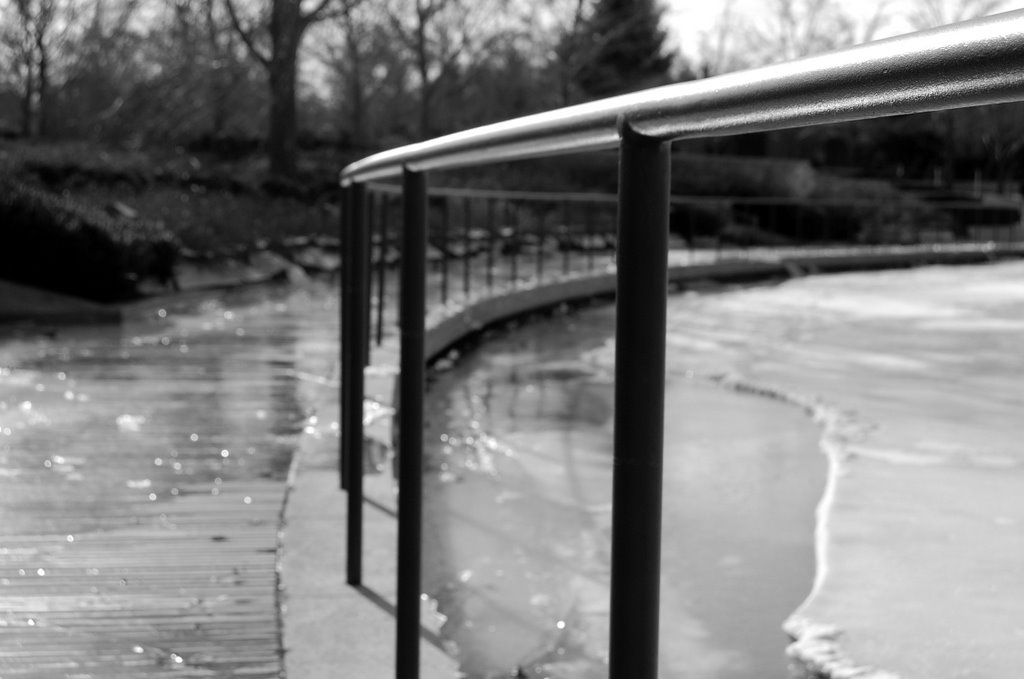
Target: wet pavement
{"points": [[142, 476]]}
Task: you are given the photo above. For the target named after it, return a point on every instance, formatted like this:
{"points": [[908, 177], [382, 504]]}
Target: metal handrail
{"points": [[974, 63], [969, 64], [998, 201]]}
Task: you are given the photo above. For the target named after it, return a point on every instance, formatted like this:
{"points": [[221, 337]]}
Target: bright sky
{"points": [[687, 19]]}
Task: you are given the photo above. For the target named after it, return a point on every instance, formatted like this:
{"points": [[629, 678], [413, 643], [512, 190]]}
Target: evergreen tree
{"points": [[623, 48]]}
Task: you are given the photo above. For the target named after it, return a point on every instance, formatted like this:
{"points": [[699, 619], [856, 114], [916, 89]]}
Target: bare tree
{"points": [[273, 38], [1002, 138], [798, 28], [433, 43], [34, 32], [929, 13], [569, 52], [204, 46], [439, 36], [717, 48], [358, 49]]}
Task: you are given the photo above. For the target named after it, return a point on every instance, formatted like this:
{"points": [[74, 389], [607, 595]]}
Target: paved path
{"points": [[142, 476]]}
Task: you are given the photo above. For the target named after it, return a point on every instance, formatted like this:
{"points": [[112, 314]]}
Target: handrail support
{"points": [[356, 335], [412, 367], [641, 298]]}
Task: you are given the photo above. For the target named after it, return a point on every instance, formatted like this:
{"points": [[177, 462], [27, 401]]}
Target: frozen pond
{"points": [[907, 382], [518, 511], [917, 375]]}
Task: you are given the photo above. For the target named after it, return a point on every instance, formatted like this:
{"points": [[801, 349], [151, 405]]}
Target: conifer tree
{"points": [[623, 48]]}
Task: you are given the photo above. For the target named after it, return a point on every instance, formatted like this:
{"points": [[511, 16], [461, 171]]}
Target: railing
{"points": [[974, 63], [481, 242]]}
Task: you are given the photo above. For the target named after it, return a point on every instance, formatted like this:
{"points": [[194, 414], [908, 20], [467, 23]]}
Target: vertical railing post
{"points": [[512, 215], [365, 271], [357, 335], [641, 299], [491, 241], [566, 234], [382, 263], [541, 235], [345, 309], [588, 226], [445, 218], [410, 423], [371, 271], [467, 248]]}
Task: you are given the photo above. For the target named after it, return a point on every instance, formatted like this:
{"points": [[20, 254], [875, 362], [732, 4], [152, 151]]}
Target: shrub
{"points": [[53, 243]]}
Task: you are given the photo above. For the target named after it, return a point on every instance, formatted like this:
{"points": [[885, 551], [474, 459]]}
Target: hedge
{"points": [[51, 242]]}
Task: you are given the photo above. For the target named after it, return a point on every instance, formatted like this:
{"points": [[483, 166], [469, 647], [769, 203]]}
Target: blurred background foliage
{"points": [[277, 78], [226, 121]]}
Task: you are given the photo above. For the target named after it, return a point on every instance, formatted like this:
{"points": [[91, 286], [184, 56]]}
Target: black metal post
{"points": [[490, 245], [566, 234], [512, 215], [445, 218], [357, 334], [365, 270], [797, 208], [410, 424], [344, 302], [382, 263], [467, 247], [689, 230], [373, 247], [639, 405], [588, 225], [541, 235], [825, 235]]}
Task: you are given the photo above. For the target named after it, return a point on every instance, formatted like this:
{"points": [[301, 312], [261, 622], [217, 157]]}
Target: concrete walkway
{"points": [[332, 629]]}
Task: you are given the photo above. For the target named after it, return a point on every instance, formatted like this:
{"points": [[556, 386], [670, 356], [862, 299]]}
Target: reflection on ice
{"points": [[912, 378], [532, 523], [130, 423]]}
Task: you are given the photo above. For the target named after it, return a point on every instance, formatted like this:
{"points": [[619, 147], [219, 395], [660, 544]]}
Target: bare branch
{"points": [[316, 14], [246, 35], [322, 12]]}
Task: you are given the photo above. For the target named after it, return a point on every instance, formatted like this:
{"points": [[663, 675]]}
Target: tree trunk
{"points": [[357, 89], [425, 112], [42, 112], [281, 137], [286, 27], [423, 66], [217, 87], [27, 118], [358, 132]]}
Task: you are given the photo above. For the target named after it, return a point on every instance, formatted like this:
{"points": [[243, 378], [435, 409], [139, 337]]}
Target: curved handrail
{"points": [[968, 64], [974, 63]]}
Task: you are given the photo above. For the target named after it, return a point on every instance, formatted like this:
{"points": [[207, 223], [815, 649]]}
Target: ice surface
{"points": [[922, 550], [519, 496], [914, 380]]}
